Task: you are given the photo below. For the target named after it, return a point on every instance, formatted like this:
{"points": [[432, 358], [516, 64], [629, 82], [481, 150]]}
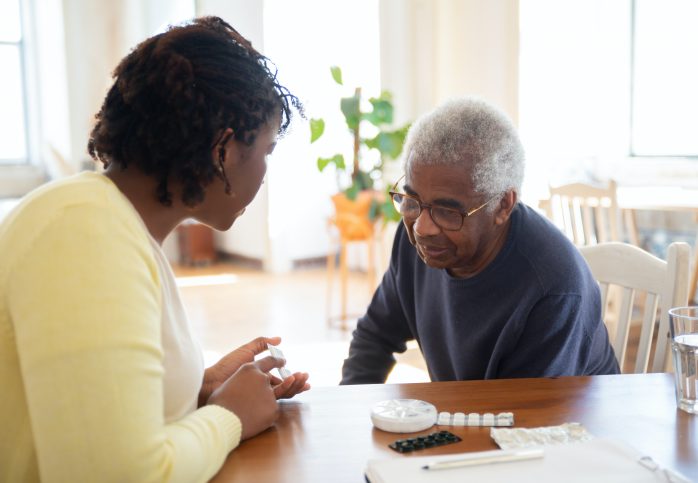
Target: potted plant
{"points": [[360, 202]]}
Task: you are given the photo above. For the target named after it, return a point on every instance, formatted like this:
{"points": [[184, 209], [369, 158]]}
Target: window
{"points": [[347, 35], [605, 89], [665, 76], [13, 119]]}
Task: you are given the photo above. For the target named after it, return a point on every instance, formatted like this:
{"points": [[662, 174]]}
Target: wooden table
{"points": [[326, 435], [662, 198]]}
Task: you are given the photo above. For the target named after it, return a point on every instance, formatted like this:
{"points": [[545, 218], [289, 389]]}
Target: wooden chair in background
{"points": [[590, 214], [634, 270]]}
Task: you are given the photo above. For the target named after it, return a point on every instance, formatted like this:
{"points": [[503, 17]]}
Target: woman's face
{"points": [[245, 167]]}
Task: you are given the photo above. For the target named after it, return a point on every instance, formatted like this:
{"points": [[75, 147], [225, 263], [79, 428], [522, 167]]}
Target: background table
{"points": [[662, 198], [326, 435]]}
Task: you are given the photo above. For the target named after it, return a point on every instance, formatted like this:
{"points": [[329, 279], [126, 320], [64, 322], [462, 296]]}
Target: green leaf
{"points": [[317, 127], [336, 74], [374, 210], [363, 181], [352, 192], [387, 143], [386, 96], [388, 210], [322, 163], [351, 110], [382, 112], [337, 160]]}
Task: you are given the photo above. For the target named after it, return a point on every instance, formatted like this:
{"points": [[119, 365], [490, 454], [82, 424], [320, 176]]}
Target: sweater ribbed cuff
{"points": [[228, 423]]}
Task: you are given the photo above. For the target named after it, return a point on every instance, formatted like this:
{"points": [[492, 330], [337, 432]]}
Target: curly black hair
{"points": [[173, 95]]}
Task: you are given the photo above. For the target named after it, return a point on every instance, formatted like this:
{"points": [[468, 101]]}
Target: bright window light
{"points": [[207, 280], [10, 24], [13, 136], [13, 143], [305, 38], [665, 78]]}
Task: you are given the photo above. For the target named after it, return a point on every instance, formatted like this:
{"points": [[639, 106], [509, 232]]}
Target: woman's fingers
{"points": [[292, 385], [259, 345], [268, 363]]}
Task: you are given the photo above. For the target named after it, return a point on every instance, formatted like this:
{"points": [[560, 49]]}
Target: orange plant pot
{"points": [[352, 216]]}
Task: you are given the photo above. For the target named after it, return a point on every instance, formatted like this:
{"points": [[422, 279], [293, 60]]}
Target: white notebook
{"points": [[595, 461]]}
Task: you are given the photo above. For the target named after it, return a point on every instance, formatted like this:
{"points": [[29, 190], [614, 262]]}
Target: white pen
{"points": [[487, 457]]}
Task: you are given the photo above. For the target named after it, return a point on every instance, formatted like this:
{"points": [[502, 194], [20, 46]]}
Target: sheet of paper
{"points": [[596, 460]]}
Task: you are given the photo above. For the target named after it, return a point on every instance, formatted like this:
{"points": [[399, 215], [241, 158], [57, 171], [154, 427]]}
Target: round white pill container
{"points": [[403, 415]]}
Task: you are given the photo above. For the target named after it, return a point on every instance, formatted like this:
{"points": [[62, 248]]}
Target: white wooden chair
{"points": [[589, 214], [665, 284]]}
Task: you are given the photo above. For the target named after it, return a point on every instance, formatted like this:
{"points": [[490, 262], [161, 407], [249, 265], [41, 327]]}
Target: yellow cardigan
{"points": [[80, 348]]}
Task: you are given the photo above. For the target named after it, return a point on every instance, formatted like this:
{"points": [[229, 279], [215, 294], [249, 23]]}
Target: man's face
{"points": [[464, 252]]}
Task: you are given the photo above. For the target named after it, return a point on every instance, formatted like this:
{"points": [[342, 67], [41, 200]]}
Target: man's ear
{"points": [[506, 206]]}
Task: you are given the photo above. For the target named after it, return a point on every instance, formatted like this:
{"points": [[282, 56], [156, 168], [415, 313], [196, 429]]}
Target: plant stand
{"points": [[353, 225]]}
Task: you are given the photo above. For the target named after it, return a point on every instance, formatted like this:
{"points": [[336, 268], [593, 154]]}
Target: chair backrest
{"points": [[634, 270], [586, 214]]}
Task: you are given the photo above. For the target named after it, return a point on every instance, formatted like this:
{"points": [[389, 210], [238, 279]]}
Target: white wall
{"points": [[249, 237], [78, 45], [432, 51], [95, 40]]}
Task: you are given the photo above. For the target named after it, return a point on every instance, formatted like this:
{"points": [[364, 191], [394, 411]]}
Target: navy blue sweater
{"points": [[534, 311]]}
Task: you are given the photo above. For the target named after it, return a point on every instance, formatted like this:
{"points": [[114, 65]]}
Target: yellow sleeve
{"points": [[84, 299]]}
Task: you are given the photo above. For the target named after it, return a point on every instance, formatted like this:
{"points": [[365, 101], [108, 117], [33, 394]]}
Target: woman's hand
{"points": [[292, 385], [249, 394], [217, 374]]}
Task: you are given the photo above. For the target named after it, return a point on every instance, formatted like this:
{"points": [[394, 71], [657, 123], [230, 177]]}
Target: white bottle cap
{"points": [[403, 415]]}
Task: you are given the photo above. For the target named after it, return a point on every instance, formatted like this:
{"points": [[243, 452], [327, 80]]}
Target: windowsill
{"points": [[7, 205], [18, 180], [656, 172]]}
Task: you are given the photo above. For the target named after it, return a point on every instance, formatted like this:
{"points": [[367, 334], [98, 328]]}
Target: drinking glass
{"points": [[684, 346]]}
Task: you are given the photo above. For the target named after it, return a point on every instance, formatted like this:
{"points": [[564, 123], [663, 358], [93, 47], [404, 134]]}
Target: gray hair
{"points": [[471, 133]]}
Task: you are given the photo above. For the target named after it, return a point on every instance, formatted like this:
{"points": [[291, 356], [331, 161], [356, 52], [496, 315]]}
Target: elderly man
{"points": [[487, 287]]}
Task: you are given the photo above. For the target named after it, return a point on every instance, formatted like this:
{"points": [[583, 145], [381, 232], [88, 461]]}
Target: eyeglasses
{"points": [[449, 219]]}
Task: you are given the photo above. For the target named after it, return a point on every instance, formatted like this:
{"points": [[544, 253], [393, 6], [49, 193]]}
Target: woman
{"points": [[102, 380]]}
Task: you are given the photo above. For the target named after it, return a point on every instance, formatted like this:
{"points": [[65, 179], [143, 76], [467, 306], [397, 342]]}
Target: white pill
{"points": [[473, 419], [488, 419], [444, 418], [459, 419], [505, 419]]}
